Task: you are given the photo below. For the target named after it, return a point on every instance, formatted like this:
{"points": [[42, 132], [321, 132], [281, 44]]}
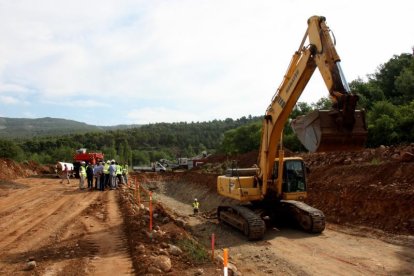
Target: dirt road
{"points": [[67, 231]]}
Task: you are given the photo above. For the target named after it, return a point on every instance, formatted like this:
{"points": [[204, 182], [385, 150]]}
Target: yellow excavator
{"points": [[276, 188]]}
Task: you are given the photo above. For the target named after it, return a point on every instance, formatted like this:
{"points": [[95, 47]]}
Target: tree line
{"points": [[140, 145]]}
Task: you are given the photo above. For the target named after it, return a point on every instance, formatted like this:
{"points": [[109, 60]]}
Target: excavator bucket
{"points": [[323, 131]]}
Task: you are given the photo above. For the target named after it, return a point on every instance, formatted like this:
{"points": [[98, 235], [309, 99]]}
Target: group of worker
{"points": [[106, 174]]}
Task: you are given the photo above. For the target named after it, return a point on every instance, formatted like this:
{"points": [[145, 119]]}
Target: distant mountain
{"points": [[28, 128]]}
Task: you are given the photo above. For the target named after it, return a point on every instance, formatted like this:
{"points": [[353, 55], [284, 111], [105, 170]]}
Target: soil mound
{"points": [[12, 170]]}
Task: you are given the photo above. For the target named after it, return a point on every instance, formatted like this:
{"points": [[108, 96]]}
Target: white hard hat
{"points": [[195, 199]]}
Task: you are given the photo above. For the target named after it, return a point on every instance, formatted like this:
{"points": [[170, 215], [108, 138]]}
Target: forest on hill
{"points": [[139, 145], [17, 128], [387, 96]]}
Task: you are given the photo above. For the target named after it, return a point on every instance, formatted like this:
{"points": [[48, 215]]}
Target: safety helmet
{"points": [[195, 199], [108, 162]]}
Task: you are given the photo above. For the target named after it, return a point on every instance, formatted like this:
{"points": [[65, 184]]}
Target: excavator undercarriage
{"points": [[250, 221], [244, 219]]}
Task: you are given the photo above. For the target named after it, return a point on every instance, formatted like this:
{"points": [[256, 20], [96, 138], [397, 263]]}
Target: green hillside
{"points": [[22, 128]]}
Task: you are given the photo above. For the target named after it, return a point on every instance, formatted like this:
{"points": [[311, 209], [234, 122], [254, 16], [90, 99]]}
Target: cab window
{"points": [[294, 176]]}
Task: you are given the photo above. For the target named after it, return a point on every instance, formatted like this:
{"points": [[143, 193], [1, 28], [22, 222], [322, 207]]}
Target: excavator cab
{"points": [[293, 178], [324, 131]]}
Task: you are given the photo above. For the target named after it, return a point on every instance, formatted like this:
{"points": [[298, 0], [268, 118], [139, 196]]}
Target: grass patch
{"points": [[375, 161], [194, 250]]}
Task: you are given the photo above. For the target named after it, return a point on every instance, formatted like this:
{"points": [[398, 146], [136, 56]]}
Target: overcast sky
{"points": [[125, 62]]}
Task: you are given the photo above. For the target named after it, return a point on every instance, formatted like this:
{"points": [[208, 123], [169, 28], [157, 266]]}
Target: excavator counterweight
{"points": [[323, 131]]}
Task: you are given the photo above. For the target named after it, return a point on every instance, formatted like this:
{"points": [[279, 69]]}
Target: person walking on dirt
{"points": [[82, 175], [196, 206], [89, 175], [65, 174]]}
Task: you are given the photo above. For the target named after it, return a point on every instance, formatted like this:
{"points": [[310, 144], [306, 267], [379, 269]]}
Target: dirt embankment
{"points": [[12, 169], [373, 188]]}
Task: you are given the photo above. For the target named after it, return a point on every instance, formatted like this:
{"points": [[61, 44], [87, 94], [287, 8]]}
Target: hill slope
{"points": [[27, 128]]}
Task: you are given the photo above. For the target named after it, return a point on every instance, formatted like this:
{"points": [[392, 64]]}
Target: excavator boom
{"points": [[278, 184], [340, 129]]}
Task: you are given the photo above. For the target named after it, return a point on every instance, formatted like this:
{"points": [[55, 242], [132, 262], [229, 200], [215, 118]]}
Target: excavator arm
{"points": [[337, 126], [342, 128]]}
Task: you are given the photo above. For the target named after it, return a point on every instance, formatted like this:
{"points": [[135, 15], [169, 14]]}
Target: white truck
{"points": [[155, 167], [59, 167]]}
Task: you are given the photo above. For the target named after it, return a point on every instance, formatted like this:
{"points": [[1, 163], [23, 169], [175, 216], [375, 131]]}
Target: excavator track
{"points": [[243, 219], [310, 219]]}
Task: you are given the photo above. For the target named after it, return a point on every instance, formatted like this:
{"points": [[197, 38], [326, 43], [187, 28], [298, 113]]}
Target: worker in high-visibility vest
{"points": [[82, 175], [119, 174], [125, 173], [106, 175], [196, 206]]}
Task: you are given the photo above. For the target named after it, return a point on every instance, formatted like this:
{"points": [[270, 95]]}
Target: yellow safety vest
{"points": [[196, 204], [118, 169], [106, 169], [82, 171]]}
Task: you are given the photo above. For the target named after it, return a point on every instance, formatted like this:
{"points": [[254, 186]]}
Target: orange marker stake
{"points": [[212, 246], [150, 209], [138, 192], [225, 261]]}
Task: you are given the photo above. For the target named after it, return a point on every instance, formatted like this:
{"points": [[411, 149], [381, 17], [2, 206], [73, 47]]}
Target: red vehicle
{"points": [[87, 157]]}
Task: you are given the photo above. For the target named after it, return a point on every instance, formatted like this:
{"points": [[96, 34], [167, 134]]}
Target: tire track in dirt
{"points": [[51, 212], [67, 231], [19, 197], [112, 256], [28, 211]]}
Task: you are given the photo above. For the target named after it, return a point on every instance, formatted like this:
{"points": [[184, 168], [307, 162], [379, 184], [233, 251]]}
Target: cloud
{"points": [[13, 88], [159, 114], [82, 103], [8, 100]]}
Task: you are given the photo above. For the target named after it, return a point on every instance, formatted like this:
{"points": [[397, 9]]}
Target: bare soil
{"points": [[65, 230], [367, 198]]}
